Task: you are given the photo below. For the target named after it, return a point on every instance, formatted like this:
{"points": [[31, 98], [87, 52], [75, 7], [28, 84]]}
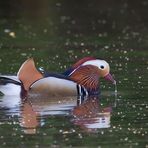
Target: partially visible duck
{"points": [[81, 79]]}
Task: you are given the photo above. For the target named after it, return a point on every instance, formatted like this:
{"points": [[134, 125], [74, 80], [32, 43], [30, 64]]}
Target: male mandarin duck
{"points": [[81, 79]]}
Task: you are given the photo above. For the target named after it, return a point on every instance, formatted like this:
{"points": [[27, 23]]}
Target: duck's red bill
{"points": [[109, 77]]}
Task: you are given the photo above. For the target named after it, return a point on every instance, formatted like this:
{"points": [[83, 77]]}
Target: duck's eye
{"points": [[102, 67]]}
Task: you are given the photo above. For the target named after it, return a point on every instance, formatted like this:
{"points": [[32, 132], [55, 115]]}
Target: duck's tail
{"points": [[28, 73], [26, 76]]}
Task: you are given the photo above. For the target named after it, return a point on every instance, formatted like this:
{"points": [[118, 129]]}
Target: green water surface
{"points": [[58, 33]]}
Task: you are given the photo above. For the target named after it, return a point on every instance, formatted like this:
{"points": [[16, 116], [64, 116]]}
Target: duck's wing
{"points": [[28, 73]]}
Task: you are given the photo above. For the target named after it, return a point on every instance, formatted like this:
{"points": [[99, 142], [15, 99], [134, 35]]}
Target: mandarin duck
{"points": [[81, 79]]}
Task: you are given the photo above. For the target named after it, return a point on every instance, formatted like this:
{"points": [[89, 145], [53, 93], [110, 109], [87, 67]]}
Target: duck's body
{"points": [[57, 87], [81, 79], [47, 86]]}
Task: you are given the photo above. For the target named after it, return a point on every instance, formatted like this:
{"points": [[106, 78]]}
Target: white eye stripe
{"points": [[98, 63]]}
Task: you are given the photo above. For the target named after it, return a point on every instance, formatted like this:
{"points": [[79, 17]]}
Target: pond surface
{"points": [[56, 36]]}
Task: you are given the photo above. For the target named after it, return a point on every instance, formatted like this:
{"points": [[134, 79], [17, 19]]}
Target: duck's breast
{"points": [[54, 86]]}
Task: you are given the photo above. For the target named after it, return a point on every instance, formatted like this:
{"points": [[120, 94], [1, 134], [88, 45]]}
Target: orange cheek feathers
{"points": [[104, 72]]}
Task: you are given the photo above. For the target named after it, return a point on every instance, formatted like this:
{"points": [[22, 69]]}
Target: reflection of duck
{"points": [[81, 79], [31, 111], [90, 116], [28, 119], [86, 112], [53, 105]]}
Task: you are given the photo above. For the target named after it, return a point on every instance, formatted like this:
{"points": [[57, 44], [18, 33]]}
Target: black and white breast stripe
{"points": [[81, 91]]}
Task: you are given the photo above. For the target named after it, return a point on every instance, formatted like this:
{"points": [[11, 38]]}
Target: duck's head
{"points": [[88, 70], [103, 69]]}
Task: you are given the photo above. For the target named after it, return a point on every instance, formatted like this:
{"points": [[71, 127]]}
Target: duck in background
{"points": [[82, 79]]}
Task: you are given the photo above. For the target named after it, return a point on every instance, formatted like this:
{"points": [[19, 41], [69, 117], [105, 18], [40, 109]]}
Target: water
{"points": [[57, 35]]}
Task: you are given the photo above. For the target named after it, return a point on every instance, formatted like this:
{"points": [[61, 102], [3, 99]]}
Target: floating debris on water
{"points": [[24, 54], [6, 30], [12, 34]]}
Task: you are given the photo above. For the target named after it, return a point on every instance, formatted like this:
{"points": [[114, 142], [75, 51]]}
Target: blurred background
{"points": [[51, 28], [56, 33]]}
